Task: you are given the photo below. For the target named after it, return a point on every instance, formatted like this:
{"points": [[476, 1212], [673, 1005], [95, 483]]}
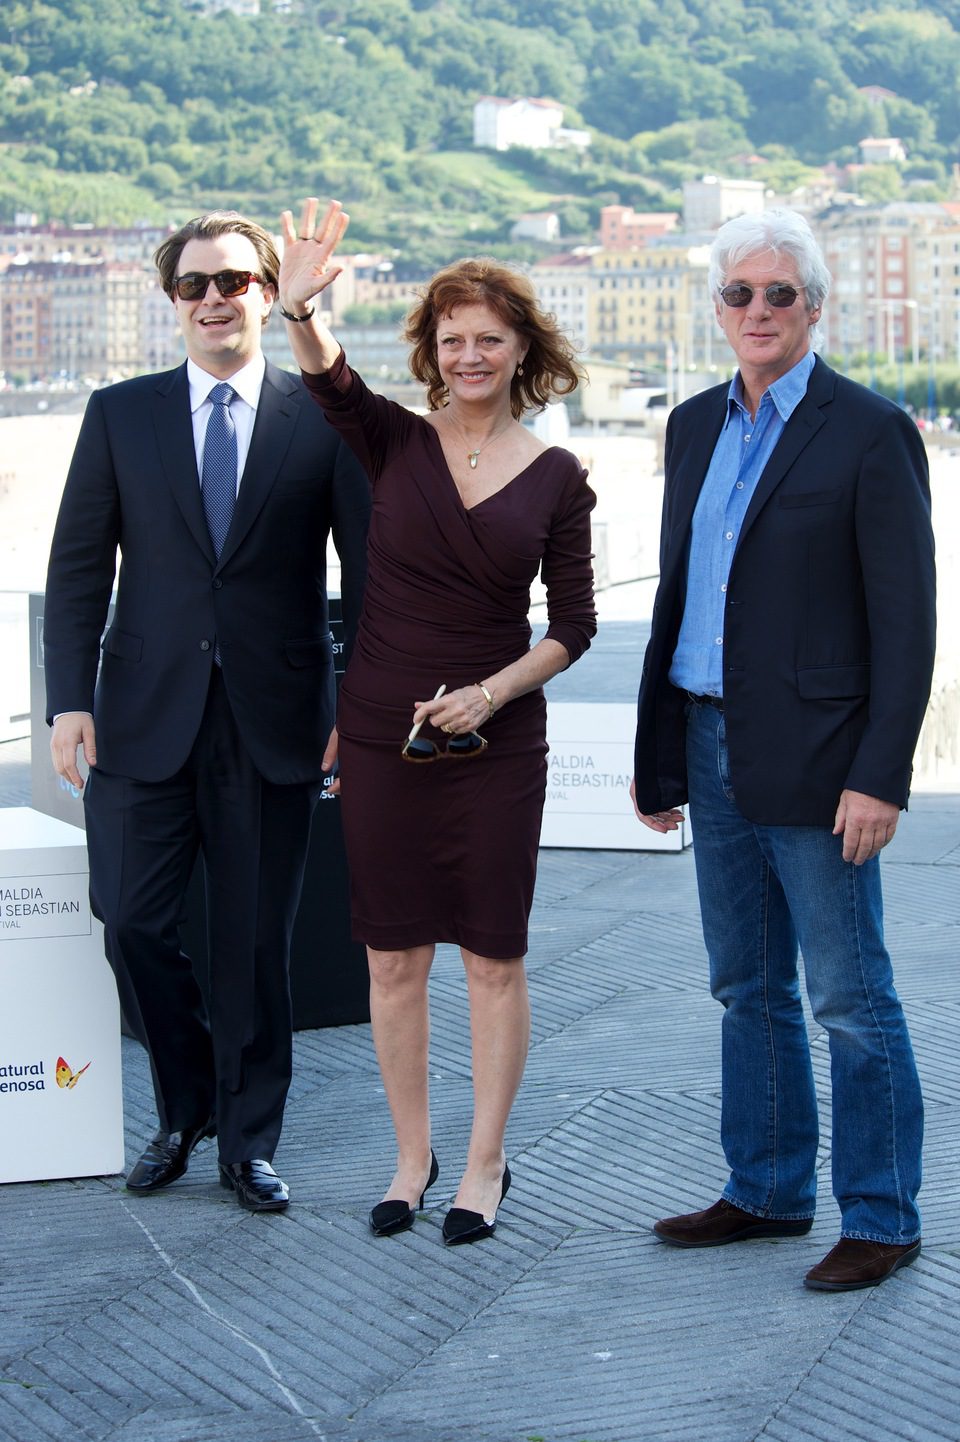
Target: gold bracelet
{"points": [[487, 697]]}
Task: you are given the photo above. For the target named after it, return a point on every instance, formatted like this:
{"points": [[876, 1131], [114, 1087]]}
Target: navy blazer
{"points": [[133, 484], [829, 617]]}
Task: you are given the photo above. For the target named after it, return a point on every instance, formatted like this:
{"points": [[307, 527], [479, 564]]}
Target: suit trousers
{"points": [[224, 1049]]}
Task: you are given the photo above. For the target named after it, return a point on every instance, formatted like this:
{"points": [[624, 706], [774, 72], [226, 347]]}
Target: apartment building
{"points": [[895, 293], [79, 302], [26, 334], [648, 305], [25, 240], [161, 344], [896, 280], [714, 199], [651, 304], [622, 227], [563, 285], [937, 290], [78, 318]]}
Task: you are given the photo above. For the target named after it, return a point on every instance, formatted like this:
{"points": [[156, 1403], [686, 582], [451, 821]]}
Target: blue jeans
{"points": [[764, 890]]}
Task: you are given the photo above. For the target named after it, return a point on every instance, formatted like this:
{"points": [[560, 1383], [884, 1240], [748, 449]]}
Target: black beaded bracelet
{"points": [[296, 318]]}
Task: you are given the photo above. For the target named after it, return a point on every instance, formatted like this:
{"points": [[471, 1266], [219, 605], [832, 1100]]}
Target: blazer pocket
{"points": [[821, 683], [313, 652], [122, 644], [810, 498]]}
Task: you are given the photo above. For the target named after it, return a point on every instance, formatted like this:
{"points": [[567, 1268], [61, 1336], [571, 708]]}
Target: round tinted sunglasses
{"points": [[780, 296], [193, 285], [456, 749]]}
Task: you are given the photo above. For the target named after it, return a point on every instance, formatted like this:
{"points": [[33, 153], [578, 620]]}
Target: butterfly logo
{"points": [[66, 1077]]}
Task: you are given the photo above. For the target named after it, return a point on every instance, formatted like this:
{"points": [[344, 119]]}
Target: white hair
{"points": [[780, 231]]}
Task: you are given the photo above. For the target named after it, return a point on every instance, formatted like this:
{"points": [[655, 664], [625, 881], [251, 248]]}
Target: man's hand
{"points": [[329, 761], [662, 821], [866, 824], [73, 729]]}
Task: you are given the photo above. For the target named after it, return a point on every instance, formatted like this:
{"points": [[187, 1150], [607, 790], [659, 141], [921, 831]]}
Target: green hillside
{"points": [[113, 112]]}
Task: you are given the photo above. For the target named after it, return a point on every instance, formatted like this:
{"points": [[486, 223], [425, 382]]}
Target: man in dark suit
{"points": [[211, 723], [783, 690]]}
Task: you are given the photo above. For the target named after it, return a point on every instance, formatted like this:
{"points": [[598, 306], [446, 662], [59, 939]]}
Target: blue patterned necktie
{"points": [[218, 482]]}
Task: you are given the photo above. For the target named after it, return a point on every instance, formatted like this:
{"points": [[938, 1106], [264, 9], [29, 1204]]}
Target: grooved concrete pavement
{"points": [[179, 1318]]}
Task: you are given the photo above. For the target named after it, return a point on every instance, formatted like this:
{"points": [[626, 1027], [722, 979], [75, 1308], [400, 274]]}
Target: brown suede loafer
{"points": [[853, 1263], [722, 1223]]}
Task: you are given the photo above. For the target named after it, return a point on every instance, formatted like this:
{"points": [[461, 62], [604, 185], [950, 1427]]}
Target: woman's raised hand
{"points": [[305, 269]]}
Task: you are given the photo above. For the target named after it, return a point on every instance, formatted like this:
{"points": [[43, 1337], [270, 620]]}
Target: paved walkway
{"points": [[179, 1318]]}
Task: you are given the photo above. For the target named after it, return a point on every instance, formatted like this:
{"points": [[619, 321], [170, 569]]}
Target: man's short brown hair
{"points": [[208, 227]]}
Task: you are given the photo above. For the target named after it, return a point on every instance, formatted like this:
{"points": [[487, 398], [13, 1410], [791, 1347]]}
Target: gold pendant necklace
{"points": [[472, 455]]}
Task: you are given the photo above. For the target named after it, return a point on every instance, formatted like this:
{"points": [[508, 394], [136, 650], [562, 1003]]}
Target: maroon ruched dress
{"points": [[447, 850]]}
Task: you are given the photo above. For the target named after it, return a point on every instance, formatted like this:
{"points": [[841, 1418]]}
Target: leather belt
{"points": [[715, 701]]}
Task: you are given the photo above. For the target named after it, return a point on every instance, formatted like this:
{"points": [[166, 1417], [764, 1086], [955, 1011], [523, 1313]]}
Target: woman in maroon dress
{"points": [[442, 827]]}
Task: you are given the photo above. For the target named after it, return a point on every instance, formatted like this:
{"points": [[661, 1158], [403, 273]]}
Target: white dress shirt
{"points": [[247, 384]]}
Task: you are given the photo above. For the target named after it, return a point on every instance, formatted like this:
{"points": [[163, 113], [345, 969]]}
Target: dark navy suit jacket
{"points": [[829, 615], [133, 484]]}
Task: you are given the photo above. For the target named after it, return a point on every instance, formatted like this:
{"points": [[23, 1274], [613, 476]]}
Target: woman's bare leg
{"points": [[500, 1033], [400, 1015]]}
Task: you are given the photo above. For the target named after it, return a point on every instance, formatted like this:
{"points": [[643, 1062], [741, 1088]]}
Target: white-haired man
{"points": [[783, 690]]}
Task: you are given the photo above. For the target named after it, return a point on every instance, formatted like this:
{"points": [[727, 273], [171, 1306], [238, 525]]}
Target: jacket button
{"points": [[217, 585], [204, 645]]}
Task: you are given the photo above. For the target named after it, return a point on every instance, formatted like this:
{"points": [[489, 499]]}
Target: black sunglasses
{"points": [[780, 296], [193, 285], [456, 749]]}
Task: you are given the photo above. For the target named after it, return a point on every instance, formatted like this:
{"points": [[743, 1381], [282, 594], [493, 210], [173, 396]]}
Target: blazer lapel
{"points": [[174, 428], [277, 415], [797, 433]]}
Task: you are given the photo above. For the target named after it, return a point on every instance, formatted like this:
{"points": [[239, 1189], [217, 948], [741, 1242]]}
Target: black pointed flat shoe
{"points": [[460, 1225], [388, 1218]]}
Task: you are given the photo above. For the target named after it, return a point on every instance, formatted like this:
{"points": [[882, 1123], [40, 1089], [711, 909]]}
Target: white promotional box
{"points": [[589, 770], [61, 1100]]}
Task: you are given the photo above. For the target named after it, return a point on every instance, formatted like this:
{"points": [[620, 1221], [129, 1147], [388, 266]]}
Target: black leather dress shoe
{"points": [[256, 1184], [165, 1159]]}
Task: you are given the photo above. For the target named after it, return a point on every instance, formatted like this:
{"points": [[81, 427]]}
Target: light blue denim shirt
{"points": [[743, 449]]}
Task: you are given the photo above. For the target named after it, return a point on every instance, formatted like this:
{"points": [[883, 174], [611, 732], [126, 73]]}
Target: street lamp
{"points": [[914, 305], [886, 306], [954, 300], [918, 307], [683, 344], [932, 349]]}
